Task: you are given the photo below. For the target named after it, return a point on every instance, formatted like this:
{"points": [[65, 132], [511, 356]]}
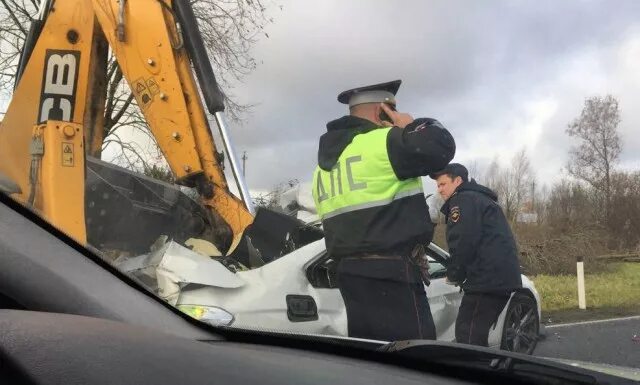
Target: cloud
{"points": [[501, 77]]}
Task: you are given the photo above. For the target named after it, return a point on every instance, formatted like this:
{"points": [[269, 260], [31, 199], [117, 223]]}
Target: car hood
{"points": [[181, 266]]}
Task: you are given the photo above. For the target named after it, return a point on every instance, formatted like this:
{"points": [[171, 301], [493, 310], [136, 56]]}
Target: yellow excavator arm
{"points": [[57, 107]]}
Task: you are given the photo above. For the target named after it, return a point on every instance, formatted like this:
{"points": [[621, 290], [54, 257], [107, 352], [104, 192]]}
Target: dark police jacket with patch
{"points": [[482, 247], [367, 185]]}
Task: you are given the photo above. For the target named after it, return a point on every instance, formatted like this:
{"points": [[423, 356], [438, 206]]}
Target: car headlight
{"points": [[210, 314]]}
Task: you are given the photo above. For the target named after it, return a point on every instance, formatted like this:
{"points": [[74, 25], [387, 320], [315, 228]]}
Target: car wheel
{"points": [[521, 325]]}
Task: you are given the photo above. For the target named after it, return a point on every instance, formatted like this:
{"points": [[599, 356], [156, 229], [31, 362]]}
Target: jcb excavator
{"points": [[56, 112]]}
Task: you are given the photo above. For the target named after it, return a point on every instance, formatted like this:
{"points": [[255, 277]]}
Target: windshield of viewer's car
{"points": [[454, 171]]}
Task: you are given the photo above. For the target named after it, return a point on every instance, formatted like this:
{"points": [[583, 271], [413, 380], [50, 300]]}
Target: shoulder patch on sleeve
{"points": [[419, 128], [454, 214]]}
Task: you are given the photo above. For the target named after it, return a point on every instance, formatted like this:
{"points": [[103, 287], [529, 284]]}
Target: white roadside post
{"points": [[582, 301]]}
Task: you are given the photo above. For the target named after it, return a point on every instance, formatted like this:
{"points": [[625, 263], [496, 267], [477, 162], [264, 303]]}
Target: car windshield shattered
{"points": [[460, 172]]}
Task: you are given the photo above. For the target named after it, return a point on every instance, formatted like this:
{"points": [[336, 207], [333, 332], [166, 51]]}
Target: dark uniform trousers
{"points": [[478, 312], [385, 298]]}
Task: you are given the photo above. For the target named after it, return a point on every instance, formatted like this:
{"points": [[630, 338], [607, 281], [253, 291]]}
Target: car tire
{"points": [[521, 325]]}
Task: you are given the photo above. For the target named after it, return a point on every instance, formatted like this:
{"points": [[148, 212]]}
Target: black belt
{"points": [[374, 256]]}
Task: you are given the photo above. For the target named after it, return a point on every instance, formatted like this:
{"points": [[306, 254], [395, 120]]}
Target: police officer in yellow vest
{"points": [[368, 193]]}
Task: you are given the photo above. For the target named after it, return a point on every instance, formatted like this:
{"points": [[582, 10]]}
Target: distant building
{"points": [[526, 213], [527, 218]]}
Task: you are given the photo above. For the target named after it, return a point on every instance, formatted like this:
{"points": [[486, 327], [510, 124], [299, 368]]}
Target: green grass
{"points": [[611, 293]]}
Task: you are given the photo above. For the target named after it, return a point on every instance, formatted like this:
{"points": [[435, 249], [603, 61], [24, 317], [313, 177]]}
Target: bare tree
{"points": [[625, 208], [472, 168], [540, 197], [569, 208], [229, 29], [511, 185], [491, 177], [517, 185], [594, 158]]}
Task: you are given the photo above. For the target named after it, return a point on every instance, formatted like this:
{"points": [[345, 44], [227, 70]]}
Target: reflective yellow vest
{"points": [[352, 198]]}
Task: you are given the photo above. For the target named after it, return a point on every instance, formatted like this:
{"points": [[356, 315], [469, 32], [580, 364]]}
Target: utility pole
{"points": [[533, 196], [244, 163]]}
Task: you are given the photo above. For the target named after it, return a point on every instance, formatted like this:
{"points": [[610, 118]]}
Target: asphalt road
{"points": [[614, 342]]}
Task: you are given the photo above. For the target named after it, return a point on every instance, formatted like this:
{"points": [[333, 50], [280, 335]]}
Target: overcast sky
{"points": [[499, 75]]}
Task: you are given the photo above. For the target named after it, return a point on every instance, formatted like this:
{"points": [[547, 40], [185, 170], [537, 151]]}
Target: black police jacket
{"points": [[421, 148], [483, 250]]}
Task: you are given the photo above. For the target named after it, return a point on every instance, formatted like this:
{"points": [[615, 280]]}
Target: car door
{"points": [[444, 299]]}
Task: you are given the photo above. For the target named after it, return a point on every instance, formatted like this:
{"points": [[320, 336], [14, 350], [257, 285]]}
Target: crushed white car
{"points": [[298, 293]]}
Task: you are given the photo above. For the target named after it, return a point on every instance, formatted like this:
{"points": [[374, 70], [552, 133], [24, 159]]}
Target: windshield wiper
{"points": [[538, 370]]}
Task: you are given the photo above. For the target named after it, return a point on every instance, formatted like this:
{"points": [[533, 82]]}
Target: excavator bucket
{"points": [[128, 211]]}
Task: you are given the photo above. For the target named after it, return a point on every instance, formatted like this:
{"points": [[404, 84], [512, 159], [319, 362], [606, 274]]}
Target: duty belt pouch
{"points": [[419, 258]]}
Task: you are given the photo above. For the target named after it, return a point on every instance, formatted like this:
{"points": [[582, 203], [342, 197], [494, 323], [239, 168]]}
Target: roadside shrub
{"points": [[542, 252]]}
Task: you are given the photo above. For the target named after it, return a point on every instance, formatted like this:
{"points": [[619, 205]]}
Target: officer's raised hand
{"points": [[399, 119]]}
